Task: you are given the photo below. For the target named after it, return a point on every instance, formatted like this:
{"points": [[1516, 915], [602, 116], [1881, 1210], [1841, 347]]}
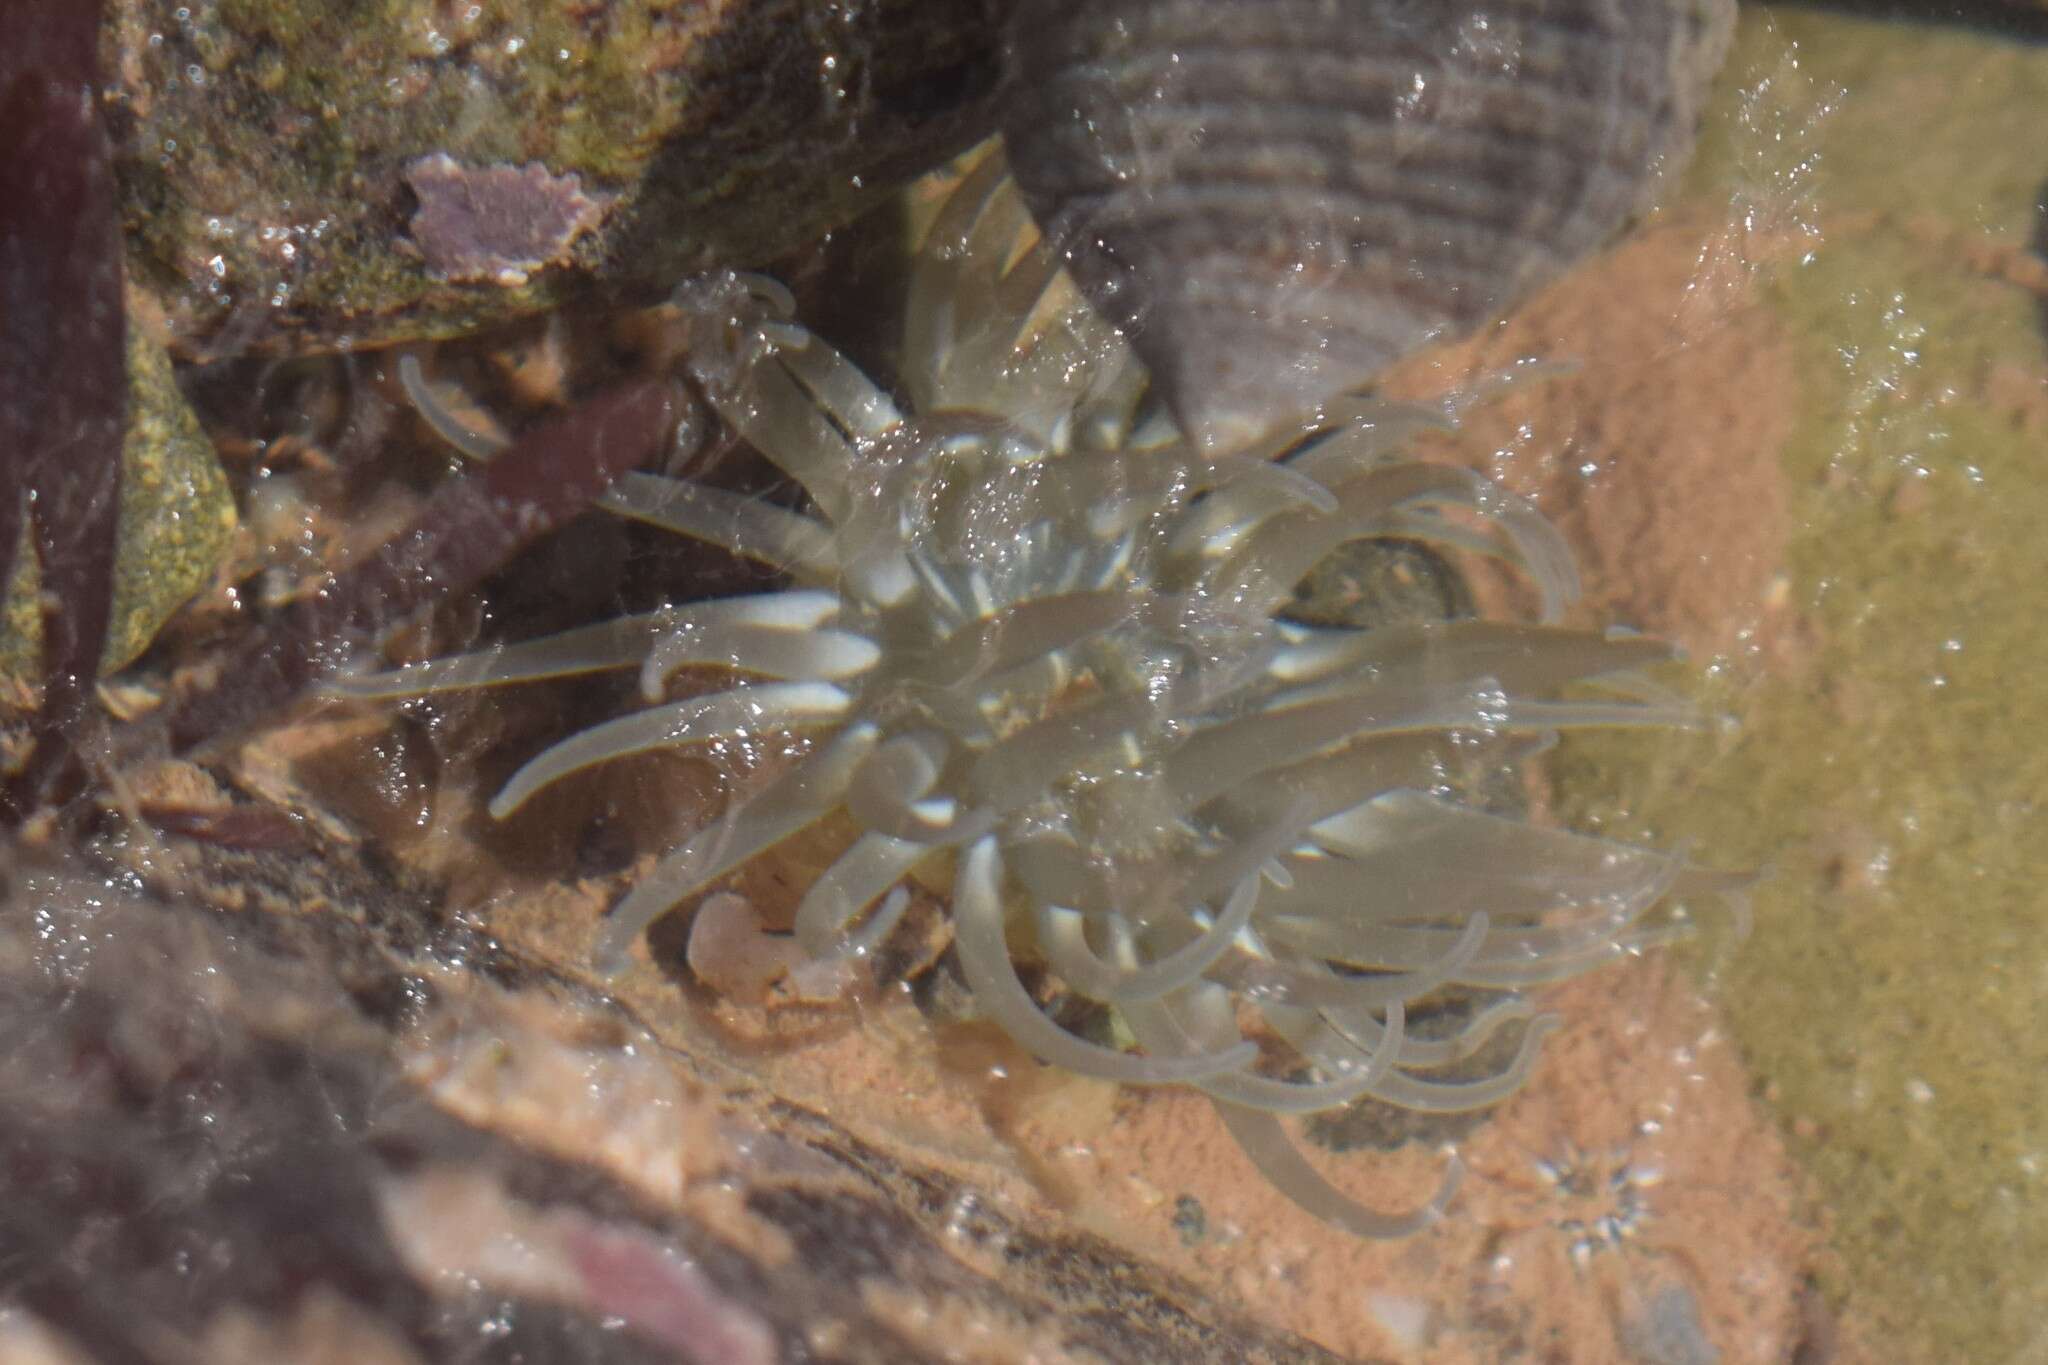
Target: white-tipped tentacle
{"points": [[985, 962], [932, 324], [888, 794], [857, 879], [780, 635], [795, 800], [819, 655], [747, 526], [840, 390], [1266, 1144], [619, 643], [775, 415], [740, 713], [479, 439], [1270, 978], [1062, 935]]}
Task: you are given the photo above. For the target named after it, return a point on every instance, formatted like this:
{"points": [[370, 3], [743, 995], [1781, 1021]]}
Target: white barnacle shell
{"points": [[1035, 636]]}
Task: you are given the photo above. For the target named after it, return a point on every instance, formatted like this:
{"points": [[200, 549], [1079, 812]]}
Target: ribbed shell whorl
{"points": [[1275, 199]]}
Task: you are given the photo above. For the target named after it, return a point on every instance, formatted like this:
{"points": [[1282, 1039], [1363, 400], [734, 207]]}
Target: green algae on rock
{"points": [[1888, 769], [269, 149], [176, 516]]}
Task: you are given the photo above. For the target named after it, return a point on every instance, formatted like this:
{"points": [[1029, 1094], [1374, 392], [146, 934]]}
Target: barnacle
{"points": [[1032, 634]]}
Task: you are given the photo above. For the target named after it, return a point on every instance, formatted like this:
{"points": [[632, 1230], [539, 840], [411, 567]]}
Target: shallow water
{"points": [[1882, 192], [1803, 436], [1802, 432]]}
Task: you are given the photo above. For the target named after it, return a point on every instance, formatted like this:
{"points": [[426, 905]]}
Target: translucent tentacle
{"points": [[619, 643], [1266, 1144], [474, 439], [1030, 630], [1020, 768], [746, 526], [888, 794], [1527, 660], [791, 802], [846, 395], [857, 879], [1307, 982], [777, 418], [1063, 938], [735, 714], [813, 655], [985, 961], [931, 321], [1365, 1032], [1458, 1097], [1206, 1010], [1215, 759], [1191, 959]]}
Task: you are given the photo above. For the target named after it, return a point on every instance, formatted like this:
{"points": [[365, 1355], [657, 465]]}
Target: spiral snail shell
{"points": [[1274, 199]]}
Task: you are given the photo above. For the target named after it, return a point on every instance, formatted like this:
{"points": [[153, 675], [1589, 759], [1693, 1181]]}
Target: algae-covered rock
{"points": [[1888, 773], [303, 174], [177, 513]]}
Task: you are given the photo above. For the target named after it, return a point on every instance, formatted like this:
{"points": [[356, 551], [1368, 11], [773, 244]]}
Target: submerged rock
{"points": [[302, 174], [331, 1121], [177, 513]]}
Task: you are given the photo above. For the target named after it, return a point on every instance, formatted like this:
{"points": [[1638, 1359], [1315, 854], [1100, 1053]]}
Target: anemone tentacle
{"points": [[1032, 631]]}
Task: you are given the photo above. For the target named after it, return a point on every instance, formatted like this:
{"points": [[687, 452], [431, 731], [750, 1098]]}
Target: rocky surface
{"points": [[264, 1101], [177, 515], [306, 175]]}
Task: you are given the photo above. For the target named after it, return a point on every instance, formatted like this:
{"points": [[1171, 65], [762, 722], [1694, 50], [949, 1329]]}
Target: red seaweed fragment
{"points": [[467, 530], [63, 375], [244, 829], [497, 223]]}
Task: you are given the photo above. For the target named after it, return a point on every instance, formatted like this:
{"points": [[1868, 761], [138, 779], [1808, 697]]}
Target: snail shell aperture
{"points": [[1274, 199]]}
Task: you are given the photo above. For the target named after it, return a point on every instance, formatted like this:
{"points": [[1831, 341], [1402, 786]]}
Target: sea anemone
{"points": [[1033, 636]]}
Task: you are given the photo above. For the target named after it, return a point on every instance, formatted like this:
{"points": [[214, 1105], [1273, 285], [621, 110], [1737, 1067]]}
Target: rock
{"points": [[177, 513], [332, 1122], [313, 175]]}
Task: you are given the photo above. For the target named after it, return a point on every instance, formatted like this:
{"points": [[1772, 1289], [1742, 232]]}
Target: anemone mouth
{"points": [[1035, 637]]}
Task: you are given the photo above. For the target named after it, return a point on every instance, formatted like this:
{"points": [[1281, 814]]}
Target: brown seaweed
{"points": [[468, 529], [63, 384]]}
